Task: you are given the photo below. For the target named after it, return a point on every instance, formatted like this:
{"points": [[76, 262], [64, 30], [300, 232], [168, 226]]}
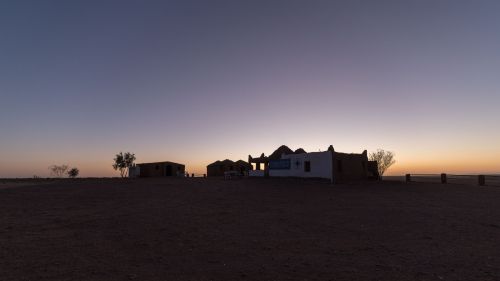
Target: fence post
{"points": [[443, 178], [408, 178], [481, 180]]}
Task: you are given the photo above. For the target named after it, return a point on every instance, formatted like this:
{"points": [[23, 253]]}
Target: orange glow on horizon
{"points": [[405, 163]]}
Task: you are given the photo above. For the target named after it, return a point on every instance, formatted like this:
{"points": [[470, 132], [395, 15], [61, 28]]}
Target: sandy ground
{"points": [[251, 229]]}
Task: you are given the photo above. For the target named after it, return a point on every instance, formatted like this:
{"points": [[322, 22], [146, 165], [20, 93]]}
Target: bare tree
{"points": [[123, 162], [384, 159], [58, 171], [73, 173]]}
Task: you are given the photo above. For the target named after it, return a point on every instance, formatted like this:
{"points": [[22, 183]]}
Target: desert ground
{"points": [[248, 229]]}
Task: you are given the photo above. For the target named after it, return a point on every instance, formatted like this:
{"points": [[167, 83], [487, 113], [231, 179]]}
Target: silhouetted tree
{"points": [[73, 173], [58, 171], [123, 161], [384, 159]]}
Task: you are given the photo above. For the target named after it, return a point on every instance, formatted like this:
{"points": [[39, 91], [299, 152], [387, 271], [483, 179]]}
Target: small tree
{"points": [[58, 171], [73, 173], [384, 159], [123, 162]]}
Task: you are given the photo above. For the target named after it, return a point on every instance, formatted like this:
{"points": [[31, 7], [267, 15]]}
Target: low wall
{"points": [[256, 173]]}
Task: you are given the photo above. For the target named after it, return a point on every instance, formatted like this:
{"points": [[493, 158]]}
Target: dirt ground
{"points": [[250, 229]]}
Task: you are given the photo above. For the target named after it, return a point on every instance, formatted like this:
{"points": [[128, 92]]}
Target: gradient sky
{"points": [[197, 81]]}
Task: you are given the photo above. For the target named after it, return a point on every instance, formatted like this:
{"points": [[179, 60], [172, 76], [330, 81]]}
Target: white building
{"points": [[304, 165], [329, 164]]}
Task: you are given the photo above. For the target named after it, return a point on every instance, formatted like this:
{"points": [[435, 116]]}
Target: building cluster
{"points": [[221, 168], [283, 162]]}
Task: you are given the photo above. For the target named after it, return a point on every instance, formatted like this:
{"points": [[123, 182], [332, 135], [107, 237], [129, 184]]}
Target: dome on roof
{"points": [[278, 152], [215, 163], [243, 163], [300, 151]]}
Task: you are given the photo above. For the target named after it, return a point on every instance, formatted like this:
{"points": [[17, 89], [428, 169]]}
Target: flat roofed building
{"points": [[328, 164], [160, 169]]}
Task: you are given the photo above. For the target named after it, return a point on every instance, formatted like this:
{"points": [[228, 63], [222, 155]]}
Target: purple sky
{"points": [[198, 81]]}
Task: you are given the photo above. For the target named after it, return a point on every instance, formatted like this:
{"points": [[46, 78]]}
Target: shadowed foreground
{"points": [[209, 229]]}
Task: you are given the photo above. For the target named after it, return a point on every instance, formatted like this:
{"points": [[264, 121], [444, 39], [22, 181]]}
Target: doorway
{"points": [[168, 170]]}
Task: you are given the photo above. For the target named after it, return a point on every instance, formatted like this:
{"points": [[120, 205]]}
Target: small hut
{"points": [[160, 169]]}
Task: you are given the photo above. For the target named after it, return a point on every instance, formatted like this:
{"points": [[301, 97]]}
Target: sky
{"points": [[198, 81]]}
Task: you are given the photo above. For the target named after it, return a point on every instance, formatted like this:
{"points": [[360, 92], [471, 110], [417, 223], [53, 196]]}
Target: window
{"points": [[307, 166], [339, 165]]}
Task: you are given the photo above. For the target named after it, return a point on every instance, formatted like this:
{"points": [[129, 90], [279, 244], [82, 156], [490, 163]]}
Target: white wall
{"points": [[321, 165]]}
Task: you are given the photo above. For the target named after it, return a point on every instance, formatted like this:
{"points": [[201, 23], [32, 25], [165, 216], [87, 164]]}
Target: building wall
{"points": [[215, 170], [134, 172], [320, 164], [350, 166], [342, 166], [218, 170], [161, 169], [372, 168]]}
